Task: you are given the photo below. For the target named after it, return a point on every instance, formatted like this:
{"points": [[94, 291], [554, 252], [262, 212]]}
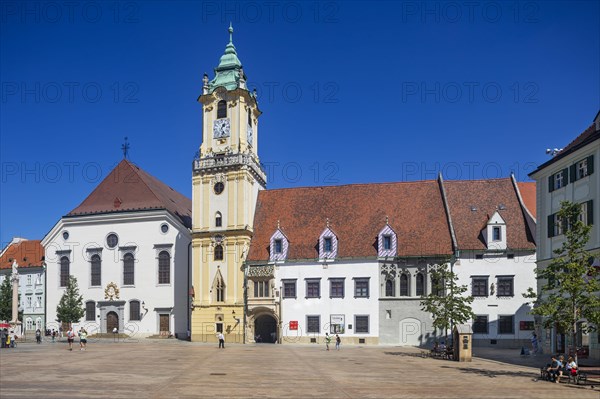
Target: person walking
{"points": [[38, 336], [327, 340], [534, 343], [221, 338], [338, 342], [70, 338], [82, 339], [53, 335]]}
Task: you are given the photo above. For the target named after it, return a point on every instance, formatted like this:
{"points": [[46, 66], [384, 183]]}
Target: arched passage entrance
{"points": [[112, 321], [265, 327]]}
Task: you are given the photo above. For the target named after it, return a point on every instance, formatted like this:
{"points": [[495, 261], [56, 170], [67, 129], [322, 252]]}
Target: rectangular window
{"points": [[558, 180], [134, 310], [336, 288], [278, 246], [387, 242], [582, 169], [289, 288], [29, 301], [480, 325], [38, 301], [90, 311], [505, 286], [327, 244], [506, 325], [261, 289], [361, 324], [29, 279], [480, 286], [313, 288], [497, 236], [313, 324], [361, 288]]}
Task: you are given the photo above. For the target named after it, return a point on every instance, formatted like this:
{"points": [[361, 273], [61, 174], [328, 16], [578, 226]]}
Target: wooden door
{"points": [[164, 323], [112, 321]]}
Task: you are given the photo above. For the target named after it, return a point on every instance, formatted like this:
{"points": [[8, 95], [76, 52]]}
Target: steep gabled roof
{"points": [[129, 188], [528, 195], [356, 213], [27, 253], [473, 202]]}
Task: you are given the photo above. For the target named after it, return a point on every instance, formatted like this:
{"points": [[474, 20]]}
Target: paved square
{"points": [[174, 369]]}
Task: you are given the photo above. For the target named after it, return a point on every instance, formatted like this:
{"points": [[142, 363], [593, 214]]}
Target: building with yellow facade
{"points": [[227, 177]]}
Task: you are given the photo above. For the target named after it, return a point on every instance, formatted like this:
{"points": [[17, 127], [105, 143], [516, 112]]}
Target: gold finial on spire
{"points": [[327, 222], [277, 223], [387, 220]]}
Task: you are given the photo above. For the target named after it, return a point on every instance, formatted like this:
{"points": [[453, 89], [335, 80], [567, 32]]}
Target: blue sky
{"points": [[351, 92]]}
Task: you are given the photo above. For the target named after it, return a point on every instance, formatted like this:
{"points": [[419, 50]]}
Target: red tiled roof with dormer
{"points": [[129, 188], [473, 202], [27, 253], [356, 214]]}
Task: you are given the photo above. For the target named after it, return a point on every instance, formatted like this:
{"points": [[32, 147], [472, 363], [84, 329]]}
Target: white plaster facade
{"points": [[330, 310], [497, 301], [142, 234], [577, 187]]}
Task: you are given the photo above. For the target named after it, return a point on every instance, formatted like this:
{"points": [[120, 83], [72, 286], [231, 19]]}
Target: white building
{"points": [[128, 245], [493, 226], [571, 175]]}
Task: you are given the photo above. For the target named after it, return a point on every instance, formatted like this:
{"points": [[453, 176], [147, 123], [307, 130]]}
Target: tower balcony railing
{"points": [[227, 160]]}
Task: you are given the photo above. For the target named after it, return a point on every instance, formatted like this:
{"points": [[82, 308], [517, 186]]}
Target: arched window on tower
{"points": [[219, 288], [219, 252], [218, 219], [222, 109]]}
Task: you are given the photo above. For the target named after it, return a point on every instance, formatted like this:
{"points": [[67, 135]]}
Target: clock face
{"points": [[249, 134], [221, 128]]}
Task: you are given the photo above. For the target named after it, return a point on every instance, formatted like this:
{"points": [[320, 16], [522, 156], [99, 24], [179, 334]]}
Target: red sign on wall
{"points": [[294, 325]]}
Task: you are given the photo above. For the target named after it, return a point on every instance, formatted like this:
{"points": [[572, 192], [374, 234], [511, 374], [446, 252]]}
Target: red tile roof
{"points": [[129, 188], [473, 202], [356, 214], [27, 253], [527, 190]]}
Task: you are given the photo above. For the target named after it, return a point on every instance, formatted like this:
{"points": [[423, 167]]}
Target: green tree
{"points": [[70, 308], [446, 302], [6, 299], [568, 292]]}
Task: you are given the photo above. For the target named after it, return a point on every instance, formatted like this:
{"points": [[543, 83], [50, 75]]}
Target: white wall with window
{"points": [[334, 297], [145, 254], [496, 282]]}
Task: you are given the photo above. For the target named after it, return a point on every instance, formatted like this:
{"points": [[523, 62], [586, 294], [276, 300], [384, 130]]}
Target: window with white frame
{"points": [[278, 246], [164, 267], [559, 180], [128, 269], [29, 279], [496, 233], [582, 168]]}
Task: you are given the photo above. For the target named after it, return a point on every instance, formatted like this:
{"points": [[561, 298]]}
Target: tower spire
{"points": [[230, 33]]}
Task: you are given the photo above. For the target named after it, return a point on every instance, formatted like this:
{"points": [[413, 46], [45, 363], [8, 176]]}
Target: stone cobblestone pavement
{"points": [[175, 369]]}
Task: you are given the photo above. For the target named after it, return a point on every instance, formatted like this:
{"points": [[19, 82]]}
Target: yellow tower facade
{"points": [[226, 179]]}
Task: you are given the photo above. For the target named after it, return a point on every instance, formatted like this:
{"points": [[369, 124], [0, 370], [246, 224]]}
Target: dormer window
{"points": [[387, 242], [328, 244], [222, 109], [279, 245], [496, 233]]}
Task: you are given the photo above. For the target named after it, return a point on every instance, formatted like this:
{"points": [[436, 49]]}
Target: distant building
{"points": [[29, 255], [128, 245], [571, 175]]}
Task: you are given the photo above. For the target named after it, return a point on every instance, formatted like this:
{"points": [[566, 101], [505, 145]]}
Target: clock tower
{"points": [[226, 179]]}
